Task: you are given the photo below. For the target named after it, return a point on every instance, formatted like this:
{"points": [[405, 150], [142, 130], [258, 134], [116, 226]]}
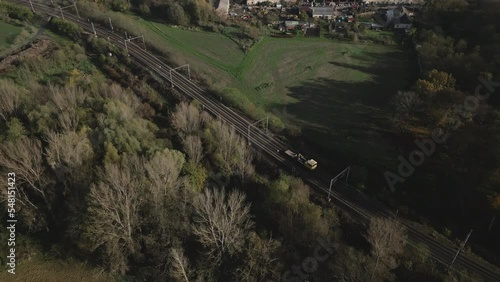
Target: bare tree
{"points": [[222, 222], [351, 264], [244, 157], [9, 98], [187, 118], [228, 142], [194, 148], [66, 100], [163, 172], [24, 158], [387, 238], [180, 266], [68, 152], [261, 260], [113, 214]]}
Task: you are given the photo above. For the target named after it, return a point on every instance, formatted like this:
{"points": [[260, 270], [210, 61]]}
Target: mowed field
{"points": [[337, 93], [7, 31]]}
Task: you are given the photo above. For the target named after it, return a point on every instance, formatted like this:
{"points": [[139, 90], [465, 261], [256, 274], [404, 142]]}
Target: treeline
{"points": [[183, 12], [458, 185], [66, 28], [16, 12]]}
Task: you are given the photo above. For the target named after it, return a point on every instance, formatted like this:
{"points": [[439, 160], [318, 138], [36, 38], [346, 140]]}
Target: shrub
{"points": [[16, 12], [64, 27]]}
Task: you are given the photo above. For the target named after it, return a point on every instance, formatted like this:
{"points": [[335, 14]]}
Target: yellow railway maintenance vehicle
{"points": [[310, 164]]}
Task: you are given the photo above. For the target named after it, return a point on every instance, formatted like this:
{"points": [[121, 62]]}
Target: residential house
{"points": [[397, 17], [325, 12], [402, 22], [288, 25], [394, 1], [255, 2]]}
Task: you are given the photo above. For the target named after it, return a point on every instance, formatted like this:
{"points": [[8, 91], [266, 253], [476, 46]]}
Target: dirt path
{"points": [[38, 46]]}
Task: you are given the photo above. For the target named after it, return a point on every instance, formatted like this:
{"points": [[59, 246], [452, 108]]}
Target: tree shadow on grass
{"points": [[351, 121]]}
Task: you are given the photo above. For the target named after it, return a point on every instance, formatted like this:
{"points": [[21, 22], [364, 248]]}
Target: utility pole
{"points": [[253, 124], [93, 28], [491, 223], [32, 9], [73, 5], [330, 189], [175, 69], [189, 72], [129, 39], [111, 25], [345, 173], [62, 15], [171, 79], [76, 9], [459, 250]]}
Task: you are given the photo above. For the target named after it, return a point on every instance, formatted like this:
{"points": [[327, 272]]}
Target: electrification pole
{"points": [[76, 9], [491, 223], [62, 15], [171, 80], [253, 124], [62, 8], [32, 9], [459, 250], [345, 173], [175, 69], [93, 28], [111, 25]]}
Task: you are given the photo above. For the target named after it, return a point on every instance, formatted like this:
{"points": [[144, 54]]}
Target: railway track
{"points": [[344, 196]]}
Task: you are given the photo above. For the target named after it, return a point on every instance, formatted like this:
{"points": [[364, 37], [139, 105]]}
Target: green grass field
{"points": [[8, 32], [336, 92]]}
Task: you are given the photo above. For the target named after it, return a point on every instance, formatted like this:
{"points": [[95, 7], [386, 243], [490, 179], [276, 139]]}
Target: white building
{"points": [[394, 1], [325, 12], [254, 2], [223, 7]]}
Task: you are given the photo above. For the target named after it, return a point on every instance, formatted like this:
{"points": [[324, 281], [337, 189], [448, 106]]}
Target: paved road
{"points": [[345, 197]]}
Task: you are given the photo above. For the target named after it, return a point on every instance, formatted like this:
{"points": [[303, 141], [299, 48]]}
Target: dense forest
{"points": [[149, 187], [458, 184]]}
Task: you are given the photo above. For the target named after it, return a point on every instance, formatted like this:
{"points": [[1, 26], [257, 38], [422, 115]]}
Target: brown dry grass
{"points": [[55, 271], [37, 49]]}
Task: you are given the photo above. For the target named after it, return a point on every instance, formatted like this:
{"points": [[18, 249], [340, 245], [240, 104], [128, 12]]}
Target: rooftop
{"points": [[323, 11]]}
